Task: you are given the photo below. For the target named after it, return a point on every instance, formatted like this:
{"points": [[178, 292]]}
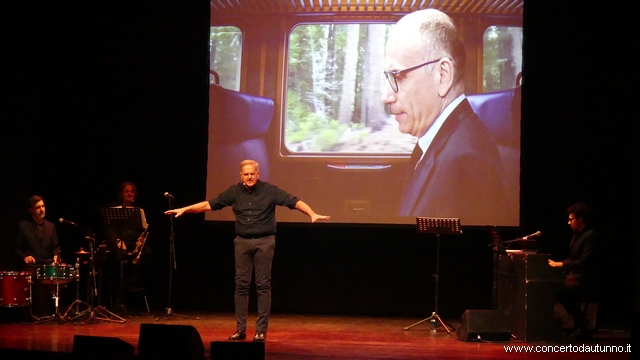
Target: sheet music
{"points": [[144, 219]]}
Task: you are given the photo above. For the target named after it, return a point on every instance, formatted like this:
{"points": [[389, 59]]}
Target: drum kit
{"points": [[16, 289]]}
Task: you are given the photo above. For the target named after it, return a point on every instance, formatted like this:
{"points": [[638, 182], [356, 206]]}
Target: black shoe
{"points": [[238, 335], [260, 336]]}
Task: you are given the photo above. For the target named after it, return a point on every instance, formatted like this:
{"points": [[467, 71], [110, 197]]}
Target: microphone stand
{"points": [[172, 266]]}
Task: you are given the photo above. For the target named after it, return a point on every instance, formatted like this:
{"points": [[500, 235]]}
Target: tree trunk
{"points": [[373, 114], [349, 74]]}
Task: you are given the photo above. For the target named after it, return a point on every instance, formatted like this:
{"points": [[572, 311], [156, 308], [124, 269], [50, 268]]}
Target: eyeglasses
{"points": [[391, 75]]}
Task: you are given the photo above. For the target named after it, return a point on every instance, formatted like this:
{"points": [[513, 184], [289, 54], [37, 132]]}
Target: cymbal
{"points": [[82, 252]]}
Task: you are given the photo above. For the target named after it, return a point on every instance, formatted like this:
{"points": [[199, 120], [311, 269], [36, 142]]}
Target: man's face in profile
{"points": [[575, 223], [416, 105]]}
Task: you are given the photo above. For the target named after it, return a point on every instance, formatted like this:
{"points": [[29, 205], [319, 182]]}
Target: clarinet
{"points": [[140, 244]]}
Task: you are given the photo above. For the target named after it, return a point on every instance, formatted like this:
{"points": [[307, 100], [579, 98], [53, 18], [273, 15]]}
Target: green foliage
{"points": [[226, 51], [321, 133], [327, 138]]}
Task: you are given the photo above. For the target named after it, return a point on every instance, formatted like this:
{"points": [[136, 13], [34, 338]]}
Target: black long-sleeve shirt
{"points": [[255, 209]]}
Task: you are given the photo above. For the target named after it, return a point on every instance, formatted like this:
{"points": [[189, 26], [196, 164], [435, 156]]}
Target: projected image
{"points": [[360, 123]]}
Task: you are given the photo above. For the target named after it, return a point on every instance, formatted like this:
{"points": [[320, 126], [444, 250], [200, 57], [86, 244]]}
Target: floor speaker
{"points": [[488, 325], [245, 350], [160, 341], [101, 347]]}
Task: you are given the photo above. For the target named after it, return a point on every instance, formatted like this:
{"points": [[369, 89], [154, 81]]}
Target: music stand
{"points": [[119, 217], [437, 226]]}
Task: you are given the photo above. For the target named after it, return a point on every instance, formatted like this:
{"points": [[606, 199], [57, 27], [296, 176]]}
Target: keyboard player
{"points": [[579, 268]]}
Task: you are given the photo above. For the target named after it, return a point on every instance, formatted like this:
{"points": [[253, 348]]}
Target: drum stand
{"points": [[56, 316]]}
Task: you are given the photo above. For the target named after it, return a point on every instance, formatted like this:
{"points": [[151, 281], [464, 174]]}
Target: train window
{"points": [[225, 47], [502, 54], [334, 86]]}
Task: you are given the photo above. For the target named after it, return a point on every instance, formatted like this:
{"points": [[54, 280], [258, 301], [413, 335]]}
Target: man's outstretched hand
{"points": [[316, 217], [176, 212]]}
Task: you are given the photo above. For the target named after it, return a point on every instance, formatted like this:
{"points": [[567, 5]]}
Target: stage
{"points": [[299, 337]]}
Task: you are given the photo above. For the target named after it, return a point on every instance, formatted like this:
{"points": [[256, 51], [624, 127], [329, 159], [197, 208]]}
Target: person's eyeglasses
{"points": [[571, 219], [391, 75]]}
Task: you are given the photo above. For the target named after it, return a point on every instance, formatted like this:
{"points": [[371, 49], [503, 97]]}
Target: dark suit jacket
{"points": [[29, 242], [580, 266], [460, 176]]}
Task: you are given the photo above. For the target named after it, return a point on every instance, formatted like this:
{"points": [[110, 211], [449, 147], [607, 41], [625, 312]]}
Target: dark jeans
{"points": [[253, 254]]}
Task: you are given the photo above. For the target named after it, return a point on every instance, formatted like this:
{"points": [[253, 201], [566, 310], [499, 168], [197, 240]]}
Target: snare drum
{"points": [[53, 274], [14, 288]]}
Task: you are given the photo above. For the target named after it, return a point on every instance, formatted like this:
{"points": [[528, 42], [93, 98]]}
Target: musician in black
{"points": [[581, 282], [126, 236], [133, 251], [37, 245]]}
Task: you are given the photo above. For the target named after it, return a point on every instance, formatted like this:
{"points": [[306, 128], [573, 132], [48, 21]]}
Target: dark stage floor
{"points": [[301, 337]]}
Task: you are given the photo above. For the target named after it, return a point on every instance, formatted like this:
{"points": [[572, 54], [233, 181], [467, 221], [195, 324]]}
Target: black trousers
{"points": [[573, 293], [253, 254]]}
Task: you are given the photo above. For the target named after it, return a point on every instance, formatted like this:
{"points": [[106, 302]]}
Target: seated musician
{"points": [[125, 236], [37, 245], [131, 240], [580, 273]]}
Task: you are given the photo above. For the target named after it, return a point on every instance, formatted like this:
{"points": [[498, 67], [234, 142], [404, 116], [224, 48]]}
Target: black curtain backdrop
{"points": [[100, 93]]}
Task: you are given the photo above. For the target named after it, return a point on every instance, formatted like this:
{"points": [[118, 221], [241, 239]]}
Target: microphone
{"points": [[531, 236], [167, 195], [63, 221]]}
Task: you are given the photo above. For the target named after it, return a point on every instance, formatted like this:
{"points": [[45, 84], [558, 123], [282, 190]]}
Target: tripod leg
{"points": [[170, 313], [145, 302], [186, 316], [31, 300], [419, 322], [444, 324]]}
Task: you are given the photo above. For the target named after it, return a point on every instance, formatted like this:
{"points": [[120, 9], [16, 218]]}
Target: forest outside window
{"points": [[502, 55], [225, 56], [334, 86]]}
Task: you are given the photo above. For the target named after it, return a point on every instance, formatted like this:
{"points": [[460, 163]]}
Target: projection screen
{"points": [[333, 143]]}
